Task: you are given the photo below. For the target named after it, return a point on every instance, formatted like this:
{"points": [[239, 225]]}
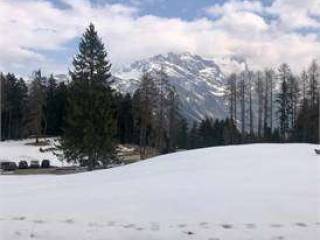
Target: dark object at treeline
{"points": [[11, 166], [45, 163], [23, 165], [8, 166], [34, 164]]}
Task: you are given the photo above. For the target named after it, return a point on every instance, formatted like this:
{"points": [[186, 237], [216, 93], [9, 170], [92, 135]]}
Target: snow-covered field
{"points": [[16, 151], [258, 192]]}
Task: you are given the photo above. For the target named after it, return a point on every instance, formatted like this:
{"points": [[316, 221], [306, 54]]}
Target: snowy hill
{"points": [[198, 81], [264, 192]]}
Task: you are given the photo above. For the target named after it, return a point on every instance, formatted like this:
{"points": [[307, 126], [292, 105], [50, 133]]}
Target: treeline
{"points": [[33, 109], [275, 105]]}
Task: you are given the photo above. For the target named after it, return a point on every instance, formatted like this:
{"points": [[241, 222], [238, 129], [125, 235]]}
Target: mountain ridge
{"points": [[199, 82]]}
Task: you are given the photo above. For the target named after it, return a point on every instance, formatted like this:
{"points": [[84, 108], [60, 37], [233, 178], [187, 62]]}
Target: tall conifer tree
{"points": [[89, 130]]}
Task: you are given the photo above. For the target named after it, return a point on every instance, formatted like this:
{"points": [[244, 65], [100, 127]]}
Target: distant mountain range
{"points": [[199, 82]]}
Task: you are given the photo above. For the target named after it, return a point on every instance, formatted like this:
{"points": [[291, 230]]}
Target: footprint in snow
{"points": [[94, 224], [227, 226], [250, 226], [204, 224], [111, 223], [182, 225], [301, 224], [19, 218], [155, 227], [189, 233], [69, 221], [279, 238], [38, 221], [129, 226], [276, 225]]}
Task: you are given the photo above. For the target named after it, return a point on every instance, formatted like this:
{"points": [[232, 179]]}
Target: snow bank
{"points": [[238, 192]]}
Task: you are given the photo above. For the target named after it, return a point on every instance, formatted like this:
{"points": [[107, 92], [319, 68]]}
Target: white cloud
{"points": [[233, 6], [295, 14], [269, 35], [238, 28]]}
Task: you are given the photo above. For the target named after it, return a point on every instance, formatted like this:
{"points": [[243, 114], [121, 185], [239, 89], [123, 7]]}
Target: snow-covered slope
{"points": [[198, 81], [264, 192]]}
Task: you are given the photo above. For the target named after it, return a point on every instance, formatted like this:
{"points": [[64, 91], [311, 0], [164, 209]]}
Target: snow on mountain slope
{"points": [[199, 82], [264, 192]]}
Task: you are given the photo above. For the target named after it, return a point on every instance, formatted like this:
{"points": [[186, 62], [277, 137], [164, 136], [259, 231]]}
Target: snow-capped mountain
{"points": [[199, 82]]}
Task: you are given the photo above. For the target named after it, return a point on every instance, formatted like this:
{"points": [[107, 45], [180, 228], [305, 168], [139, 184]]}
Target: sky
{"points": [[45, 33]]}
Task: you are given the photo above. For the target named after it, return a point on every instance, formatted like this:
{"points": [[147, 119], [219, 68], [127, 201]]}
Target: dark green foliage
{"points": [[182, 134], [211, 132], [206, 133], [36, 124], [146, 109], [36, 111], [283, 101], [193, 140], [125, 123], [307, 127], [90, 124], [13, 99], [55, 104], [231, 134]]}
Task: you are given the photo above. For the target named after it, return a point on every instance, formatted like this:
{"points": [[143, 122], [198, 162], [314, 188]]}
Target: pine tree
{"points": [[13, 98], [60, 103], [231, 134], [205, 132], [161, 102], [193, 137], [283, 100], [182, 134], [268, 104], [259, 87], [35, 119], [314, 75], [242, 94], [136, 117], [2, 105], [313, 96], [147, 102], [231, 95], [294, 93], [89, 131], [250, 85], [125, 122], [51, 106], [173, 116]]}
